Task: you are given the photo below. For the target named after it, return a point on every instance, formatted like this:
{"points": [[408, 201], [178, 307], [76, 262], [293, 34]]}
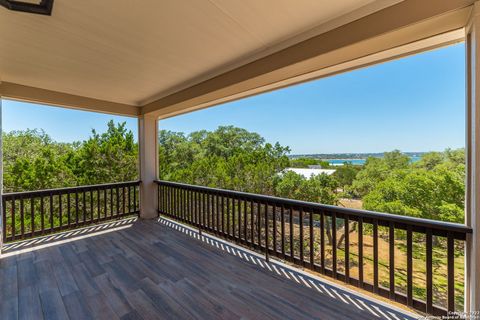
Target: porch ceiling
{"points": [[117, 57], [116, 51]]}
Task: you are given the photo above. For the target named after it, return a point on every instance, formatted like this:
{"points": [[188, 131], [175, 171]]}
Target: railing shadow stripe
{"points": [[376, 308], [11, 248]]}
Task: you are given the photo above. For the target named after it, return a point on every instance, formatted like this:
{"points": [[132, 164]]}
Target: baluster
{"points": [[266, 232], [105, 203], [347, 249], [185, 205], [204, 209], [98, 205], [360, 252], [429, 271], [245, 220], [223, 215], [409, 267], [292, 251], [228, 215], [4, 219], [334, 244], [84, 207], [135, 198], [51, 211], [91, 205], [22, 222], [199, 205], [76, 207], [236, 222], [32, 215], [450, 273], [68, 210], [274, 221], [375, 256], [252, 239], [192, 218], [322, 241], [217, 211], [391, 247], [117, 195], [239, 212], [42, 215], [300, 223], [60, 211], [13, 218], [123, 200], [312, 256], [259, 226], [130, 198], [282, 226]]}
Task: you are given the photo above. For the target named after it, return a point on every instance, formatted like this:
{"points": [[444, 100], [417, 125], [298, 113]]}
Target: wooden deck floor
{"points": [[149, 270]]}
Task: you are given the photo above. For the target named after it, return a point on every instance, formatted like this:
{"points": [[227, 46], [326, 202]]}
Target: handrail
{"points": [[408, 220], [68, 189]]}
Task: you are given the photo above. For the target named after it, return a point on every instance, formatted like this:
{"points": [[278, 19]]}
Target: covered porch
{"points": [[168, 58]]}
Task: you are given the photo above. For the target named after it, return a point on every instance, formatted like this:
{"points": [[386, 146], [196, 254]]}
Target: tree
{"points": [[431, 189], [306, 162], [107, 157], [376, 170], [346, 174], [229, 158], [32, 161], [320, 188]]}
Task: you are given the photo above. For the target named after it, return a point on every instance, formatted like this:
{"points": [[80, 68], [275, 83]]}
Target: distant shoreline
{"points": [[342, 159], [350, 156]]}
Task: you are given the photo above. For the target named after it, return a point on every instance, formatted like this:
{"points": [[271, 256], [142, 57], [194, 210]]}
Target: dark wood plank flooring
{"points": [[150, 271]]}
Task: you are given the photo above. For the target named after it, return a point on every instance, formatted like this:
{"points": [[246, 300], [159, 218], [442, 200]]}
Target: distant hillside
{"points": [[349, 155]]}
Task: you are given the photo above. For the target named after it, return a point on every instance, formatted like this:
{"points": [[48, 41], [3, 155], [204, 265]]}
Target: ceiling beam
{"points": [[406, 22], [31, 94]]}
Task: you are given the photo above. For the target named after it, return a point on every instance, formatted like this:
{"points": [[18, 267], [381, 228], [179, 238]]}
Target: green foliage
{"points": [[376, 170], [236, 159], [229, 158], [346, 174], [306, 162], [433, 188], [107, 157], [33, 161], [320, 188]]}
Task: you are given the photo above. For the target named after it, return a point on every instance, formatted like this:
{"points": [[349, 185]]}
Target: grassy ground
{"points": [[419, 262]]}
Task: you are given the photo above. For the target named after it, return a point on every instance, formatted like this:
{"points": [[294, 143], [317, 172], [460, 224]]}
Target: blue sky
{"points": [[61, 124], [412, 104]]}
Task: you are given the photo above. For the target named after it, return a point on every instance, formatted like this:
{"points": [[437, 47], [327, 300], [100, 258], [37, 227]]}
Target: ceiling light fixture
{"points": [[37, 7]]}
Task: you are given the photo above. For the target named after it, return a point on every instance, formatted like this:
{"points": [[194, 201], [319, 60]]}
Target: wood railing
{"points": [[278, 226], [34, 213]]}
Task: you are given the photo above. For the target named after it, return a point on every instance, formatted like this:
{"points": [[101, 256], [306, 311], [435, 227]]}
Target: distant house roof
{"points": [[308, 173]]}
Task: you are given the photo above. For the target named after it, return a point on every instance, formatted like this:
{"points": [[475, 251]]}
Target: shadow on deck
{"points": [[133, 269]]}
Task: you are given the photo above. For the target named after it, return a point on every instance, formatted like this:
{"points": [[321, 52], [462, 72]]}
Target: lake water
{"points": [[340, 162]]}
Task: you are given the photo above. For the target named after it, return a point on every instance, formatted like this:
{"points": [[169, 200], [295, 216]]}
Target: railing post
{"points": [[1, 178], [472, 197], [147, 139]]}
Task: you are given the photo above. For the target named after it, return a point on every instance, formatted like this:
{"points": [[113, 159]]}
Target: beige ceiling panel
{"points": [[133, 52], [117, 51], [282, 21]]}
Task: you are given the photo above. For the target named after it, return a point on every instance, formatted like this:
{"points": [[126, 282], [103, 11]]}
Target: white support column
{"points": [[472, 202], [147, 139]]}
